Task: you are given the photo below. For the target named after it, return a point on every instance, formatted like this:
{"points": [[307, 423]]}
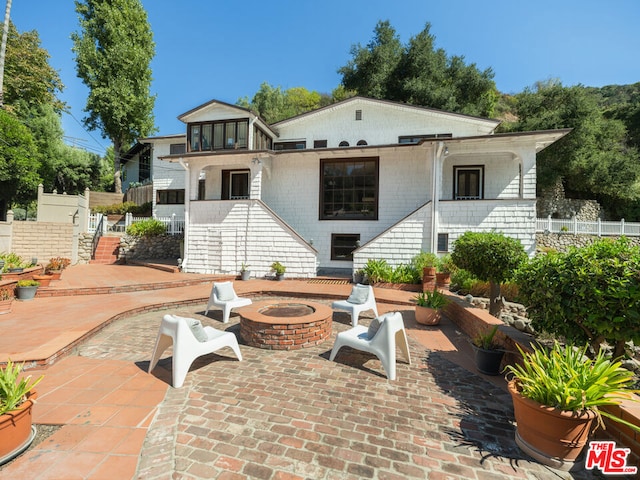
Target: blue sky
{"points": [[226, 49]]}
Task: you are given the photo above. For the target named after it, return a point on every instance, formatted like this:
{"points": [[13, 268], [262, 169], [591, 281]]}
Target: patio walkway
{"points": [[275, 415]]}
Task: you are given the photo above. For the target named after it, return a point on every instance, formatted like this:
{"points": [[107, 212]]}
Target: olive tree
{"points": [[589, 294], [491, 257]]}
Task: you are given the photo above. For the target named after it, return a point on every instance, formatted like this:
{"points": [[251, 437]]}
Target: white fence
{"points": [[173, 224], [598, 227]]}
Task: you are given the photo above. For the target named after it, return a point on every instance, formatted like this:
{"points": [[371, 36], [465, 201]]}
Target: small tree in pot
{"points": [[490, 256]]}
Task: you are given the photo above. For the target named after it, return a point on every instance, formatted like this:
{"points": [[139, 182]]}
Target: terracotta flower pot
{"points": [[44, 280], [427, 316], [55, 274], [15, 427], [552, 436], [443, 280]]}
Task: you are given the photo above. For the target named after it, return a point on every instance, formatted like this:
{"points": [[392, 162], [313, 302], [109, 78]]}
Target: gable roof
{"points": [[220, 105], [488, 123]]}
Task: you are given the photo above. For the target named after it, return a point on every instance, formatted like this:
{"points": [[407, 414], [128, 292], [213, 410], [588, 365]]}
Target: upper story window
{"points": [[235, 184], [349, 189], [417, 138], [261, 141], [319, 144], [228, 134], [343, 143], [358, 114], [468, 183], [300, 145], [362, 143], [177, 148], [144, 167]]}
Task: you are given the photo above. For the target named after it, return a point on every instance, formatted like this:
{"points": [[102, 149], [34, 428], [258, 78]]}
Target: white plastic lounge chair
{"points": [[380, 338], [190, 340], [360, 300], [224, 296]]}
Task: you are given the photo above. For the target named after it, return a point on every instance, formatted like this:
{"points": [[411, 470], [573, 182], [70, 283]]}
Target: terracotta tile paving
{"points": [[275, 415]]}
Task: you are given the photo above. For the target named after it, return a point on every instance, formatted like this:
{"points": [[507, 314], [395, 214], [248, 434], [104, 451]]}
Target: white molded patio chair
{"points": [[380, 338], [190, 340], [360, 300], [224, 296]]}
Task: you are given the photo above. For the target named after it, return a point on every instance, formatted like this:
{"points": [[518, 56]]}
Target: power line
{"points": [[103, 148]]}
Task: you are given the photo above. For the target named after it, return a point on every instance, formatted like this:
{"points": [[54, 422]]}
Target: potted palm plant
{"points": [[17, 395], [557, 398], [429, 305], [488, 353]]}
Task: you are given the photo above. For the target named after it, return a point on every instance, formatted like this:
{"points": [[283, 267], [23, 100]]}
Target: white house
{"points": [[329, 189]]}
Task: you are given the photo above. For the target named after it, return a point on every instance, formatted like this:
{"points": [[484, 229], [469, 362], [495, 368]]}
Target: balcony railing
{"points": [[598, 227]]}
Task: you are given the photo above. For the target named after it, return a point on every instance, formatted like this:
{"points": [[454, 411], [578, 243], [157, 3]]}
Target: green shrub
{"points": [[589, 294], [147, 228], [424, 259], [404, 273], [378, 270], [116, 208]]}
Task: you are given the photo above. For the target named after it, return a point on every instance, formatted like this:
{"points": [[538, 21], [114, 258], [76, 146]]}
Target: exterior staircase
{"points": [[107, 250]]}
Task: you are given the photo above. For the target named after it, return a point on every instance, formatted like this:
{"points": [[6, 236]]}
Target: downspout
{"points": [[435, 192], [187, 208]]}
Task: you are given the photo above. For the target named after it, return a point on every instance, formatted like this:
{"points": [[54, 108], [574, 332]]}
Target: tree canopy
{"points": [[418, 73], [18, 162], [28, 77], [113, 51], [594, 160]]}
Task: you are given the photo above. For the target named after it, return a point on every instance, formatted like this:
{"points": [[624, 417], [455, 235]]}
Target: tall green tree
{"points": [[594, 160], [18, 163], [114, 49], [274, 104], [418, 73], [28, 77], [370, 72]]}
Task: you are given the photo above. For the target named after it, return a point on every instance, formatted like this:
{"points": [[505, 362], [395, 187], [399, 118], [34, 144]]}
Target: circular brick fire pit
{"points": [[288, 325]]}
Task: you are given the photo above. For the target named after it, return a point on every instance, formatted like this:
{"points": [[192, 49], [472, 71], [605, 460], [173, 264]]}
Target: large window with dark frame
{"points": [[349, 189], [343, 245], [170, 197], [468, 183], [228, 134], [144, 167]]}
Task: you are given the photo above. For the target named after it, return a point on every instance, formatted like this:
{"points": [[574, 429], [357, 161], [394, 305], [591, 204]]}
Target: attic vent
{"points": [[358, 114]]}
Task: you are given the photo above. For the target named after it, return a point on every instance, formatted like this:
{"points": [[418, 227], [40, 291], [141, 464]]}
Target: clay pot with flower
{"points": [[17, 396], [55, 266]]}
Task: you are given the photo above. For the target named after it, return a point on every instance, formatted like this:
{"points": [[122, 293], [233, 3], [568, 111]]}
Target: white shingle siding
{"points": [[516, 219], [382, 124], [224, 234]]}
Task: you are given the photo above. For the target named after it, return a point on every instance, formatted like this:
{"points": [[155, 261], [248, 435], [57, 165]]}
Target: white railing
{"points": [[173, 224], [598, 227]]}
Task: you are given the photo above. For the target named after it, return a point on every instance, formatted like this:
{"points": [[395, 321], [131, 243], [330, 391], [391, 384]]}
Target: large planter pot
{"points": [[245, 274], [551, 436], [427, 316], [15, 428], [279, 276], [488, 361], [26, 293]]}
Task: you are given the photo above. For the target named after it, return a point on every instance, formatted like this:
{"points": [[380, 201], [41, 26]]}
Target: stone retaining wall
{"points": [[142, 248], [562, 241]]}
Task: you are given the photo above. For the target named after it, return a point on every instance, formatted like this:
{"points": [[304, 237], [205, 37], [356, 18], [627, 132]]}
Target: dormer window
{"points": [[358, 114], [228, 134]]}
